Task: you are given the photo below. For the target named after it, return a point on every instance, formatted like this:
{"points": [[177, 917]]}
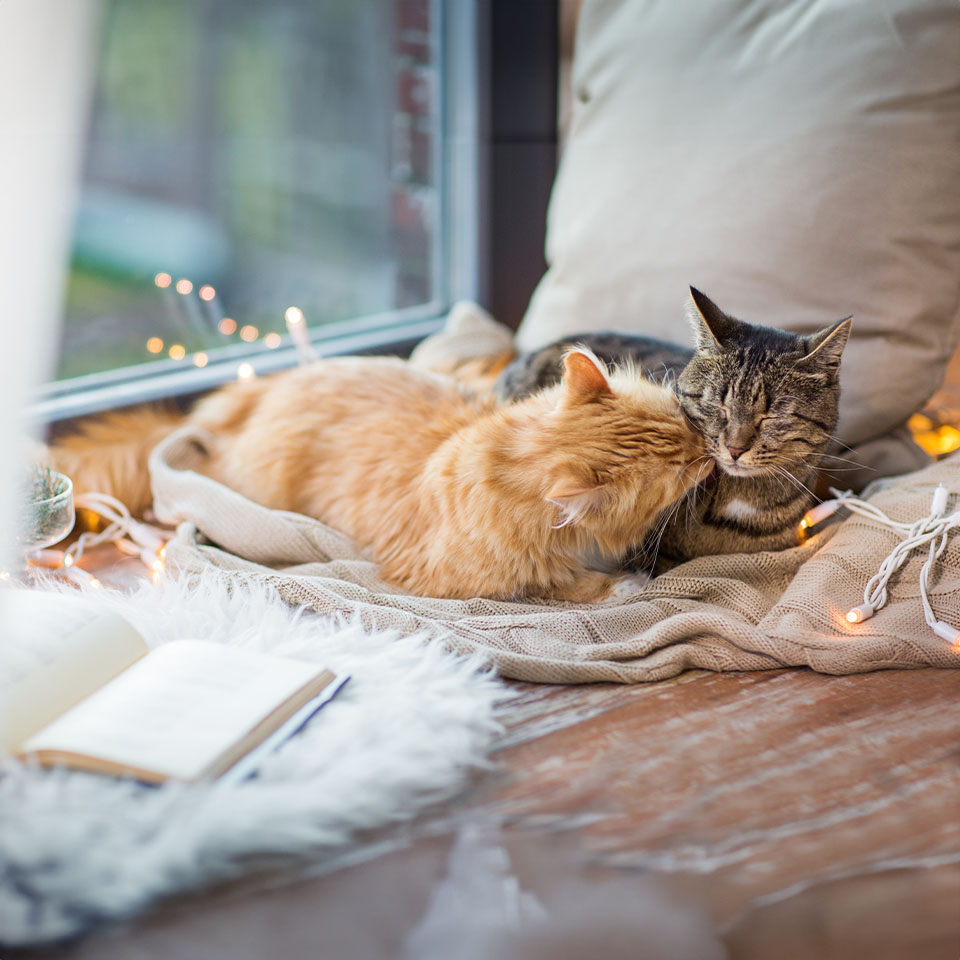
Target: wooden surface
{"points": [[756, 788], [804, 815], [795, 815]]}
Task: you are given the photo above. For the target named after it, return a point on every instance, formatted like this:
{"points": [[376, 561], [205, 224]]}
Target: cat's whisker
{"points": [[791, 480], [799, 458], [639, 557], [831, 456], [669, 518], [839, 442], [692, 514], [831, 468], [789, 476], [791, 461], [703, 458], [699, 495], [779, 480], [649, 549], [820, 456], [856, 463], [653, 539]]}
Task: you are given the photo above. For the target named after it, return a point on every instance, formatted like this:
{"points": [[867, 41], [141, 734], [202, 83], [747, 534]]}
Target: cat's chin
{"points": [[742, 470]]}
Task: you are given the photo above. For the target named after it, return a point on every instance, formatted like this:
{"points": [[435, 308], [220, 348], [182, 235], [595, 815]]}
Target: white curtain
{"points": [[47, 50]]}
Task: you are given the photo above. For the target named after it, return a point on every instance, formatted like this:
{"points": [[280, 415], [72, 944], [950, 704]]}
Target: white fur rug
{"points": [[78, 849]]}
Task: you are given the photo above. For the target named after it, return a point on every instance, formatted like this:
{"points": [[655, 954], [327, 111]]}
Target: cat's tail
{"points": [[108, 454]]}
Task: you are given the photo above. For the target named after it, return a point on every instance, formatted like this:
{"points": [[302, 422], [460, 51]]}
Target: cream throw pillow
{"points": [[797, 161]]}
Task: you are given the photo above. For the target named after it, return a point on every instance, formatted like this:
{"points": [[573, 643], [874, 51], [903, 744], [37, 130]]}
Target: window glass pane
{"points": [[244, 156]]}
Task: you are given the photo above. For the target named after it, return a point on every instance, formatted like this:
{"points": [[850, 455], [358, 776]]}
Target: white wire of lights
{"points": [[932, 531], [131, 536]]}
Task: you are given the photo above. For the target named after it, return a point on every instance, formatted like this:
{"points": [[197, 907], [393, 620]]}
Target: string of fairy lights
{"points": [[107, 519], [206, 294], [932, 532], [132, 537], [137, 538]]}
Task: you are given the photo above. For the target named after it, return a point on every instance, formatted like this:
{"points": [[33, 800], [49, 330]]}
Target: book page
{"points": [[90, 648], [178, 709], [40, 622]]}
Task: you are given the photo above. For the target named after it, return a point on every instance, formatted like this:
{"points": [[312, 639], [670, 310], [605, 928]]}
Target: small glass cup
{"points": [[48, 520]]}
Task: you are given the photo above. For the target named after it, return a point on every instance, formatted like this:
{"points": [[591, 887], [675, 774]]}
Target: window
{"points": [[247, 156]]}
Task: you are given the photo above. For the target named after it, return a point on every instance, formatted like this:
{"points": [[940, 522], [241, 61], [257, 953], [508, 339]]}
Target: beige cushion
{"points": [[469, 333], [798, 162]]}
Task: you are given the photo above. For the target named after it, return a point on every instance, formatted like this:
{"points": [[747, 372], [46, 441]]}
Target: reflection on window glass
{"points": [[245, 156]]}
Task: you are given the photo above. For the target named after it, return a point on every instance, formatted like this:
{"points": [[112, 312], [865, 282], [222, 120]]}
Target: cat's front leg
{"points": [[627, 586], [593, 587]]}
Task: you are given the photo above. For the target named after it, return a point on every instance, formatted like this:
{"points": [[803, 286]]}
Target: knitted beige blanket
{"points": [[736, 612]]}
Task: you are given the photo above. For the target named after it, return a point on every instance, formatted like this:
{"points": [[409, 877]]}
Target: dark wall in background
{"points": [[522, 123]]}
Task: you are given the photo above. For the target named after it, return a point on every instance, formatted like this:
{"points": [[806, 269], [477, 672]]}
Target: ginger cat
{"points": [[454, 495]]}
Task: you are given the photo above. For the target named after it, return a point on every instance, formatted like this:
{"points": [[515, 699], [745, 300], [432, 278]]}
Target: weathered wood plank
{"points": [[767, 783]]}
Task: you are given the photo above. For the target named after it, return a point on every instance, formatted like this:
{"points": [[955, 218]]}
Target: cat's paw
{"points": [[627, 586]]}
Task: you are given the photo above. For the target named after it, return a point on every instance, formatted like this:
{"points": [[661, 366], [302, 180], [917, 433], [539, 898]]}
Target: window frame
{"points": [[495, 159]]}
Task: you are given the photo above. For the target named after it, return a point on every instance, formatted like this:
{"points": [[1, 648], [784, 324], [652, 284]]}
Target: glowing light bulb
{"points": [[249, 333], [820, 512], [948, 439], [859, 614], [154, 344], [272, 340], [184, 286], [206, 292], [177, 351], [300, 334], [227, 326], [162, 280], [200, 359], [245, 371], [68, 559]]}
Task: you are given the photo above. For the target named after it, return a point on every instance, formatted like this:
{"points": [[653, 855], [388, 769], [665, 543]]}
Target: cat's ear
{"points": [[584, 376], [711, 326], [827, 345], [576, 498]]}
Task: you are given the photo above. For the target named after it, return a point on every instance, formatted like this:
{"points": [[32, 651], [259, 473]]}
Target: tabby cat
{"points": [[765, 401], [453, 494]]}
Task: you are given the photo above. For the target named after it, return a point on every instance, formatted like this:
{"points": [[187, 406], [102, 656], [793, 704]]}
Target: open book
{"points": [[188, 710]]}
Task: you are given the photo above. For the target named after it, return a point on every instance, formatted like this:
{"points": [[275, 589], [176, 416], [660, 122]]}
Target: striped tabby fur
{"points": [[764, 400]]}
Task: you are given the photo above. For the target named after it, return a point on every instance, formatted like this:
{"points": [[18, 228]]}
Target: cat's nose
{"points": [[735, 452]]}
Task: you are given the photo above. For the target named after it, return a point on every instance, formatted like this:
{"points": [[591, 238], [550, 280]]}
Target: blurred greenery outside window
{"points": [[245, 156]]}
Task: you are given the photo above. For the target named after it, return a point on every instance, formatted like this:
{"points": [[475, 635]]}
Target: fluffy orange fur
{"points": [[454, 495]]}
